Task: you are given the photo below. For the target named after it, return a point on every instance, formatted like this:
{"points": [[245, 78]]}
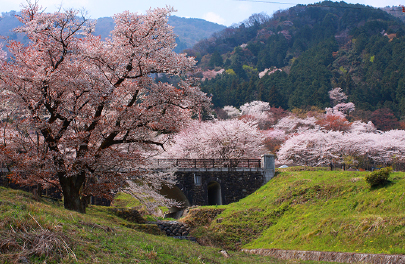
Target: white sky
{"points": [[226, 12]]}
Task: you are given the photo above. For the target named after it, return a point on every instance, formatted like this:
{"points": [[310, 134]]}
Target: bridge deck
{"points": [[210, 163]]}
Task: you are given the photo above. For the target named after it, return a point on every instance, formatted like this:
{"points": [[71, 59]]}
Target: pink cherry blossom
{"points": [[226, 139], [337, 95]]}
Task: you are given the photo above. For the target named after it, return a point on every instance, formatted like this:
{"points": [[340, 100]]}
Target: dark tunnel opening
{"points": [[214, 194]]}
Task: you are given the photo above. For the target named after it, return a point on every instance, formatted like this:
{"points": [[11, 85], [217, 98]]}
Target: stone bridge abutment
{"points": [[216, 182]]}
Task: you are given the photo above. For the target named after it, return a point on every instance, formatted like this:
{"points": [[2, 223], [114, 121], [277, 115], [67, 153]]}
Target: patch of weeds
{"points": [[124, 200], [96, 226], [299, 194], [201, 216], [41, 244], [129, 214], [303, 168]]}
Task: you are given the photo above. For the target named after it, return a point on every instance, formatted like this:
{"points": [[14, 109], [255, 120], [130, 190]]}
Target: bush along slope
{"points": [[316, 210], [43, 232], [378, 177]]}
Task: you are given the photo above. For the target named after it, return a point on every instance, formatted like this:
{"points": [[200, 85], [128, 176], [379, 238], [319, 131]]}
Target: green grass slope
{"points": [[316, 210], [43, 232]]}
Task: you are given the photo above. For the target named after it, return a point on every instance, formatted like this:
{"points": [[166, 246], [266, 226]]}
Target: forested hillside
{"points": [[294, 58]]}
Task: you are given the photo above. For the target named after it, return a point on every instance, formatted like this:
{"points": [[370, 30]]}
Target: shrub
{"points": [[378, 177]]}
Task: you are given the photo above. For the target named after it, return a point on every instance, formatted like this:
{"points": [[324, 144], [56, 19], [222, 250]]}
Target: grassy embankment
{"points": [[302, 210], [43, 232], [316, 210]]}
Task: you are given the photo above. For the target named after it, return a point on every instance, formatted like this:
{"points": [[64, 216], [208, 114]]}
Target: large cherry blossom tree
{"points": [[88, 108]]}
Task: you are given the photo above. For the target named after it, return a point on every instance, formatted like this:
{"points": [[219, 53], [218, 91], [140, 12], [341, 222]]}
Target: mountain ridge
{"points": [[189, 30]]}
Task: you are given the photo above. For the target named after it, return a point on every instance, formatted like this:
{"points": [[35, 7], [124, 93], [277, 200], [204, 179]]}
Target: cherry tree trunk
{"points": [[71, 188]]}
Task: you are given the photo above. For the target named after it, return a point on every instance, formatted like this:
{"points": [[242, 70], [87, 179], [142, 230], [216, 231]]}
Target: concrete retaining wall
{"points": [[342, 257]]}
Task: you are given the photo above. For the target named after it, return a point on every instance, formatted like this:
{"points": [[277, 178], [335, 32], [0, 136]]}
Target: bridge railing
{"points": [[210, 163]]}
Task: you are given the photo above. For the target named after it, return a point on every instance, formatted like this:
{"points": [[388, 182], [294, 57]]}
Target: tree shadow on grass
{"points": [[385, 184]]}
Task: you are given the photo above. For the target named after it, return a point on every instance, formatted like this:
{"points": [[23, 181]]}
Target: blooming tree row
{"points": [[226, 139], [324, 138], [333, 139], [322, 147]]}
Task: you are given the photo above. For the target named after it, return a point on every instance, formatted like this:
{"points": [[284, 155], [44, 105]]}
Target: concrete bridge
{"points": [[200, 181], [216, 181]]}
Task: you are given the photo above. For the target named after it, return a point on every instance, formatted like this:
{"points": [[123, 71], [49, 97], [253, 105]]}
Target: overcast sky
{"points": [[225, 12]]}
